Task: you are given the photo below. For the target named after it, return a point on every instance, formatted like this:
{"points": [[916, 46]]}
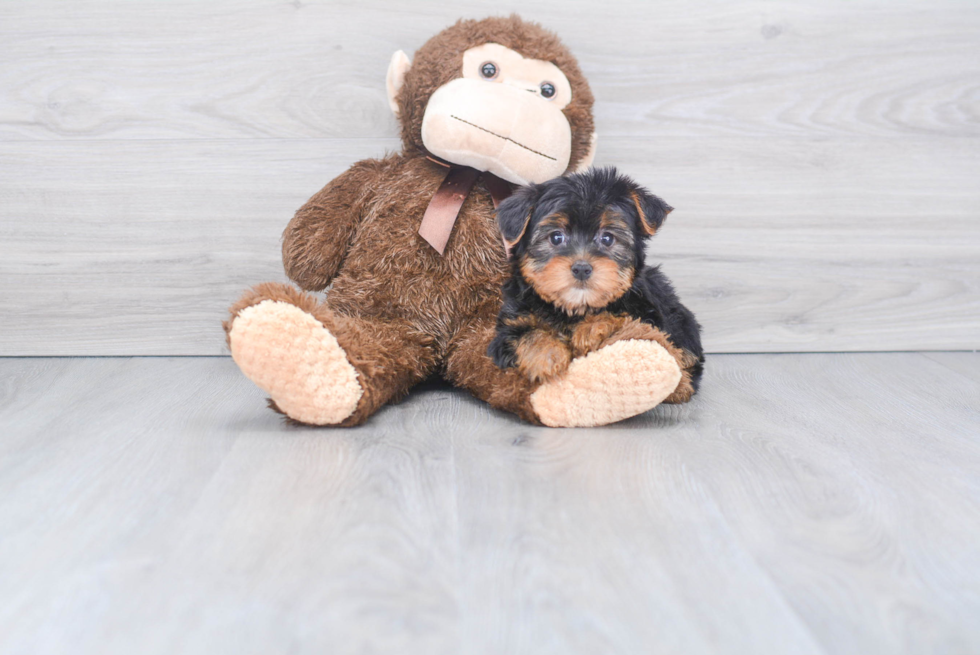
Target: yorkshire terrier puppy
{"points": [[580, 279]]}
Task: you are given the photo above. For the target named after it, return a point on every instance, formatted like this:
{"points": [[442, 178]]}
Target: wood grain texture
{"points": [[822, 157], [112, 69], [802, 504], [776, 246]]}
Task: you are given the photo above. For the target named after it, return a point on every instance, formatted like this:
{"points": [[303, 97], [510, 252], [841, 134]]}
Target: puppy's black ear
{"points": [[514, 214], [651, 210]]}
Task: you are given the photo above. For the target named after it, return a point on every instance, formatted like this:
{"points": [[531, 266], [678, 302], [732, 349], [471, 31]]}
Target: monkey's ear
{"points": [[583, 165], [514, 214], [397, 68], [651, 210]]}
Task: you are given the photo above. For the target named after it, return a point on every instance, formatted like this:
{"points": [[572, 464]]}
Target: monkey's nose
{"points": [[581, 270]]}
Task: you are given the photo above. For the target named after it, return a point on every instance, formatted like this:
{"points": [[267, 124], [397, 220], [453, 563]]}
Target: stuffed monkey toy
{"points": [[411, 252]]}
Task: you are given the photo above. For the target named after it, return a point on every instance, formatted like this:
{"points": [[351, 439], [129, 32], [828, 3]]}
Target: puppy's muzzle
{"points": [[581, 270]]}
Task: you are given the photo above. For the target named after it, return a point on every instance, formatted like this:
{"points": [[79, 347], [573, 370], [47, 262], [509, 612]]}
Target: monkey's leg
{"points": [[318, 366], [613, 383]]}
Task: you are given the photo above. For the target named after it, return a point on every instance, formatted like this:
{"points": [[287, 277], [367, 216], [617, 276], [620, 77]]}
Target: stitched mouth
{"points": [[499, 136]]}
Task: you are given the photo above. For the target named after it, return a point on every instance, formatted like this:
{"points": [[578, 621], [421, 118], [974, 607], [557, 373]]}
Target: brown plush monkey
{"points": [[500, 97]]}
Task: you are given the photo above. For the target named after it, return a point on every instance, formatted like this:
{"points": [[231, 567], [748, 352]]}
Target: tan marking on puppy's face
{"points": [[557, 221], [610, 219], [551, 279], [608, 281], [555, 283]]}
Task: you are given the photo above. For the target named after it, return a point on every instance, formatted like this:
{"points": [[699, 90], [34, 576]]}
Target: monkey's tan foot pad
{"points": [[294, 358], [616, 382]]}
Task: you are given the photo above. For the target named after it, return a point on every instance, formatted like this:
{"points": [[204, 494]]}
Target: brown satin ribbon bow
{"points": [[440, 216]]}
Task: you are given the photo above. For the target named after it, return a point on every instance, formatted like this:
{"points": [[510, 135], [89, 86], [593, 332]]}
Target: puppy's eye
{"points": [[607, 239], [547, 90], [557, 238], [488, 70]]}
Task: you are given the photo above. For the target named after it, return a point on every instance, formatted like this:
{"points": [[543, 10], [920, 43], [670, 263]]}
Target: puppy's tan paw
{"points": [[594, 331], [542, 356]]}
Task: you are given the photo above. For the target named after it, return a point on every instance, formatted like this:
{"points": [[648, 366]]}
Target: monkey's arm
{"points": [[316, 239]]}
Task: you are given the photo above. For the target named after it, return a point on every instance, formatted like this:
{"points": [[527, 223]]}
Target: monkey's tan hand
{"points": [[542, 355]]}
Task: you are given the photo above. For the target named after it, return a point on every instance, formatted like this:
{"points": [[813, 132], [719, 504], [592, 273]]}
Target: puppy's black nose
{"points": [[581, 270]]}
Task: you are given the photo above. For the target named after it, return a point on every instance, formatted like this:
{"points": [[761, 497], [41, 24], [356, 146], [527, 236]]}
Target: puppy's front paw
{"points": [[542, 356], [594, 332]]}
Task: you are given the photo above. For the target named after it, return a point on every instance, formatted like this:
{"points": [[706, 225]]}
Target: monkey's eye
{"points": [[547, 90], [557, 238], [488, 70], [607, 239]]}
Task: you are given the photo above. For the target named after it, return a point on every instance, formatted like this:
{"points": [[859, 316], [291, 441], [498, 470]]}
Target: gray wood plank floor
{"points": [[822, 156], [802, 504]]}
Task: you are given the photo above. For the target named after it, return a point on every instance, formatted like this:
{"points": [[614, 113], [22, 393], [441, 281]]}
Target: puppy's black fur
{"points": [[577, 249]]}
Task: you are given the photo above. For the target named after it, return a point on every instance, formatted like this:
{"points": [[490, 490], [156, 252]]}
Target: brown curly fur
{"points": [[399, 310]]}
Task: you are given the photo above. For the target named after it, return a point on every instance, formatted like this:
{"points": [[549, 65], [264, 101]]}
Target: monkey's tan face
{"points": [[504, 115]]}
